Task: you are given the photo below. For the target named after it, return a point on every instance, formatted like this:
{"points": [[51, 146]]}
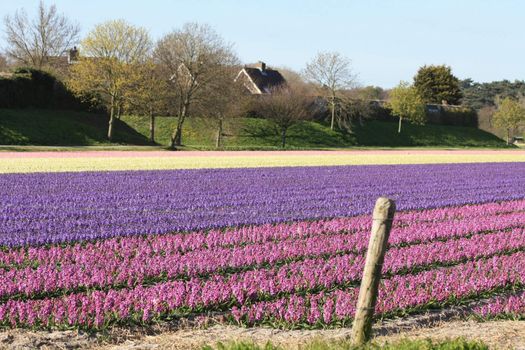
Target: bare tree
{"points": [[4, 66], [148, 93], [33, 42], [284, 107], [224, 99], [192, 55], [331, 73]]}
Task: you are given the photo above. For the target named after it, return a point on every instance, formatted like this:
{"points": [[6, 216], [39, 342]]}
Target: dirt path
{"points": [[497, 334]]}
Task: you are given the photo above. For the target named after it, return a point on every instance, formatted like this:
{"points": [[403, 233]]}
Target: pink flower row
{"points": [[395, 294], [144, 303], [509, 305], [97, 272]]}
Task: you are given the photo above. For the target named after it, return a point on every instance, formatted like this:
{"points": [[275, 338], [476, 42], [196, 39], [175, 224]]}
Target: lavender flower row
{"points": [[47, 208]]}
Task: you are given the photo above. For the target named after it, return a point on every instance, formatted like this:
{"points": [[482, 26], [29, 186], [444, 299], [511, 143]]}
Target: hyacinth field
{"points": [[271, 245]]}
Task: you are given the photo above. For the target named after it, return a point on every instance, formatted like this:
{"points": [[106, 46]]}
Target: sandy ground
{"points": [[219, 154], [496, 334]]}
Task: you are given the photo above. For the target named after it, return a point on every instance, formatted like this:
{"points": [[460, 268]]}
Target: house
{"points": [[259, 79]]}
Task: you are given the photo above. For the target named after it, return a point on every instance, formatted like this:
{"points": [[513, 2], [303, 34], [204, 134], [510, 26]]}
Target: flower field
{"points": [[281, 246]]}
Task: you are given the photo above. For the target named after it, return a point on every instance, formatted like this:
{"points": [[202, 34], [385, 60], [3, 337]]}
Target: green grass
{"points": [[427, 344], [66, 128], [243, 134], [376, 133], [60, 128], [259, 134]]}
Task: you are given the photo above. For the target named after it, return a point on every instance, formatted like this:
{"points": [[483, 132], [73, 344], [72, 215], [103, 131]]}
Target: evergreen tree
{"points": [[437, 84]]}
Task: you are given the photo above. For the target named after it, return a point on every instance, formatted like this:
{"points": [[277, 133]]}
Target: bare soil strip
{"points": [[496, 334]]}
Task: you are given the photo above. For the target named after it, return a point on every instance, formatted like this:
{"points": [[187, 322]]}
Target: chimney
{"points": [[72, 55], [261, 65]]}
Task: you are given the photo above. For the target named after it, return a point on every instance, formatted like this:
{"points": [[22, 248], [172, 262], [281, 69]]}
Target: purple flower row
{"points": [[47, 208]]}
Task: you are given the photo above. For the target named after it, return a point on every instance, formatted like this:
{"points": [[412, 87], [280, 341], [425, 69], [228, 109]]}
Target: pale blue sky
{"points": [[386, 40]]}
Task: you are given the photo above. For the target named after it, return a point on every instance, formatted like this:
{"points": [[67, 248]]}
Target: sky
{"points": [[386, 40]]}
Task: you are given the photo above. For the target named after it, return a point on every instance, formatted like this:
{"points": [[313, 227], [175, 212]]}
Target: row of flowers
{"points": [[304, 274], [17, 162], [270, 261], [50, 208], [508, 306], [409, 227], [175, 298]]}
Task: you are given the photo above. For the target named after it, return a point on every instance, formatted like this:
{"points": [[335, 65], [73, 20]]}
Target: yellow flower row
{"points": [[59, 164]]}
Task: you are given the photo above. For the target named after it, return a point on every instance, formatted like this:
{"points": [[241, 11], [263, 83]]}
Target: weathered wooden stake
{"points": [[381, 223]]}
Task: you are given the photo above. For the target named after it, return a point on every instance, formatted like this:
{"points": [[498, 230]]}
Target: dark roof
{"points": [[265, 79]]}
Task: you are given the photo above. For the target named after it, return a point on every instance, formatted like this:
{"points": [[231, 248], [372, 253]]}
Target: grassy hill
{"points": [[66, 128], [60, 128]]}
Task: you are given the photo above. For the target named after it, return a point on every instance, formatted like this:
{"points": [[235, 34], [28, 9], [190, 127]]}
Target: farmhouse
{"points": [[259, 79]]}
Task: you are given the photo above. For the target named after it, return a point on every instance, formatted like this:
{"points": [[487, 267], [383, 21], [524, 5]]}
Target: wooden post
{"points": [[381, 223]]}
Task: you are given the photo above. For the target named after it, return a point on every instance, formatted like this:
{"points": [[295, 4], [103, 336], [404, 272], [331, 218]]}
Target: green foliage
{"points": [[406, 103], [427, 344], [30, 87], [479, 95], [436, 84], [460, 116], [510, 115]]}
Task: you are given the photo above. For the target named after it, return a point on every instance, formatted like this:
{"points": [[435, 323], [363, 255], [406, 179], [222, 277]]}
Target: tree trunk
{"points": [[176, 137], [151, 127], [332, 122], [283, 137], [218, 140], [111, 119], [119, 109], [399, 128], [508, 136]]}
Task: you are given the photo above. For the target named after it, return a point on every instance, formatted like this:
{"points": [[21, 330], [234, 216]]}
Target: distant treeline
{"points": [[480, 95]]}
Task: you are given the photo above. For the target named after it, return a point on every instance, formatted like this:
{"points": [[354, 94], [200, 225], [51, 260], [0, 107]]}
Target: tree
{"points": [[224, 99], [191, 56], [331, 73], [405, 102], [479, 95], [105, 69], [148, 93], [437, 84], [33, 42], [284, 107], [3, 63], [509, 116]]}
